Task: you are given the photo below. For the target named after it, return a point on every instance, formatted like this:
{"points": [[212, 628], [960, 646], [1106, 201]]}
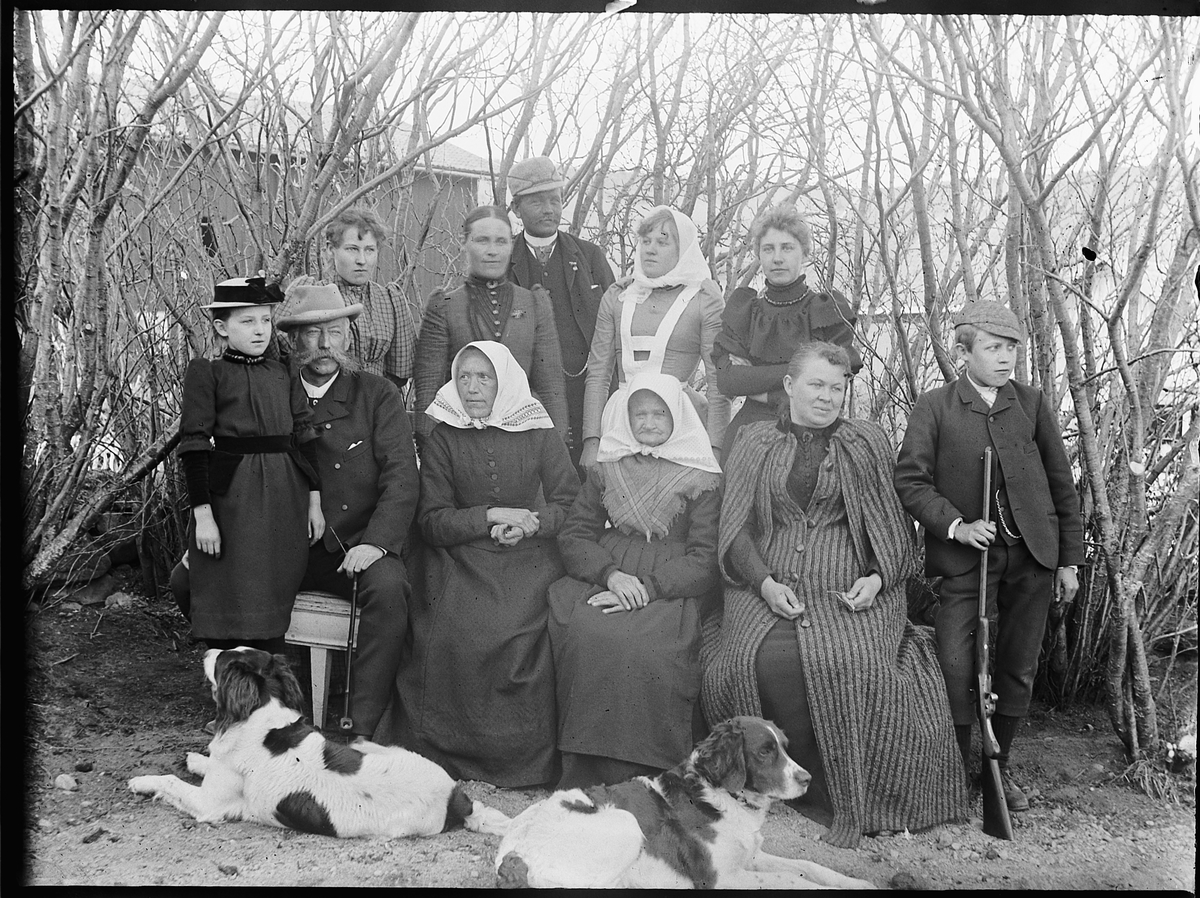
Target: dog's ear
{"points": [[238, 693], [290, 695], [721, 757]]}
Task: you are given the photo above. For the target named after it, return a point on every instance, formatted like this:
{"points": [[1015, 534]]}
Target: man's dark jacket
{"points": [[588, 276], [939, 475], [365, 454]]}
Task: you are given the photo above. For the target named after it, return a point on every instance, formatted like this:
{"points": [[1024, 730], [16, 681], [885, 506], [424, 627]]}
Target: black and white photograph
{"points": [[623, 445]]}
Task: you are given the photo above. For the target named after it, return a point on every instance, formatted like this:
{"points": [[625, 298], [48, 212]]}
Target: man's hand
{"points": [[1066, 585], [359, 558], [780, 599], [978, 534]]}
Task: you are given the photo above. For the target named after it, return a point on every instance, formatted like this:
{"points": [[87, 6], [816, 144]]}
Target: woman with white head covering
{"points": [[478, 693], [639, 546], [662, 319]]}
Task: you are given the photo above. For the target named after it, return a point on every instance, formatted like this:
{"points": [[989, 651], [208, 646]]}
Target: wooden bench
{"points": [[320, 621]]}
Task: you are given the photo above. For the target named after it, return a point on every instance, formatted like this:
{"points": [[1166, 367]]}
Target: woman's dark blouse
{"points": [[766, 326]]}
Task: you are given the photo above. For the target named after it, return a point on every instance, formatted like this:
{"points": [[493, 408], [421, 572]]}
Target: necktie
{"points": [[543, 254]]}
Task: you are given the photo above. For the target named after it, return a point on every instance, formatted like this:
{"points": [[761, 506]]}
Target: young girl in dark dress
{"points": [[251, 477]]}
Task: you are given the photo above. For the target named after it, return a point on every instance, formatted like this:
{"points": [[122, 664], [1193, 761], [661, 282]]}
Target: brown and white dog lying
{"points": [[266, 764], [694, 826]]}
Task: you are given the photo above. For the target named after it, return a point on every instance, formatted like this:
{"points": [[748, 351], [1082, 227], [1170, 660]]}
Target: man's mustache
{"points": [[301, 358]]}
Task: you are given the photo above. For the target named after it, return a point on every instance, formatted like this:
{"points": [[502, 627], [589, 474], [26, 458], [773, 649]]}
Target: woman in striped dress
{"points": [[815, 550]]}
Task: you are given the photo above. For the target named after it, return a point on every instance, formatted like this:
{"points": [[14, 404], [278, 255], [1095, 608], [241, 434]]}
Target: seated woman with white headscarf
{"points": [[662, 319], [477, 694], [640, 545]]}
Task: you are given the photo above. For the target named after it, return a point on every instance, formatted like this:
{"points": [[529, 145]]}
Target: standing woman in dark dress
{"points": [[477, 695], [762, 328], [487, 306], [249, 459], [640, 545]]}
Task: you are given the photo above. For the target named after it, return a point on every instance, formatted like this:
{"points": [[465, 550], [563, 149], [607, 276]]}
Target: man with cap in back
{"points": [[365, 454], [573, 271], [1034, 533]]}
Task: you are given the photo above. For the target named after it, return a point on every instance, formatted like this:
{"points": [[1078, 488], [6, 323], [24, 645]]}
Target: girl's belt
{"points": [[254, 445]]}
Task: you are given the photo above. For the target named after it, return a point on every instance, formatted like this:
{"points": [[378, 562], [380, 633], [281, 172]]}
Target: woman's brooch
{"points": [[518, 313]]}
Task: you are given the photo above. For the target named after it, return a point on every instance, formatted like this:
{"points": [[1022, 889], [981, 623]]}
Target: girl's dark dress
{"points": [[259, 500], [477, 695]]}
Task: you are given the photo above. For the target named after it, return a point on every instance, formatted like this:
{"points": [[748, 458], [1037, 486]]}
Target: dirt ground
{"points": [[118, 691]]}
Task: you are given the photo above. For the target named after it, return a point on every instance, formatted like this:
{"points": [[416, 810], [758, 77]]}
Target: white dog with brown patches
{"points": [[267, 765], [694, 826]]}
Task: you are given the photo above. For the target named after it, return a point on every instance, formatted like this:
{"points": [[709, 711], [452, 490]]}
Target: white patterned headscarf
{"points": [[690, 270], [515, 409], [688, 443]]}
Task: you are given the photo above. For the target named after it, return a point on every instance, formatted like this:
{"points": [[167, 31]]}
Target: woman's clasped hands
{"points": [[508, 526]]}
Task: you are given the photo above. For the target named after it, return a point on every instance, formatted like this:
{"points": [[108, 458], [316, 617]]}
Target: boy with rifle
{"points": [[1031, 528]]}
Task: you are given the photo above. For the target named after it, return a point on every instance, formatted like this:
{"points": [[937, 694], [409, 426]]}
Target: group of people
{"points": [[592, 564]]}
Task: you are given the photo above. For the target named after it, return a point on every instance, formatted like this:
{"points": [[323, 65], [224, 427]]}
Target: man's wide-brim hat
{"points": [[238, 292], [533, 176], [315, 304], [993, 317]]}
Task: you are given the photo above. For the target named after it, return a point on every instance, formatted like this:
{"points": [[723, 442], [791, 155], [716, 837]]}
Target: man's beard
{"points": [[302, 358]]}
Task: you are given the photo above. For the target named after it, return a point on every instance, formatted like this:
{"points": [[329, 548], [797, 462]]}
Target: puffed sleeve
{"points": [[442, 521], [712, 305], [601, 359], [832, 320], [432, 367], [546, 378], [560, 483], [198, 412], [734, 340]]}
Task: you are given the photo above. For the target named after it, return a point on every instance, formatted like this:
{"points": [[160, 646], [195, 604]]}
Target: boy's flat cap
{"points": [[993, 317]]}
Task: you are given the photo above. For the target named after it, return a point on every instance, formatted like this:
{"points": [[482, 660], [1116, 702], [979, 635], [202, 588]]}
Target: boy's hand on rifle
{"points": [[978, 534], [1066, 585]]}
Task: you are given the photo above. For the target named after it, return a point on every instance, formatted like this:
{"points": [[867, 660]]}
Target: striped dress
{"points": [[878, 701]]}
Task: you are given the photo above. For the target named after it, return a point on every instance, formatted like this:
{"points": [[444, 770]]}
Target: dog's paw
{"points": [[487, 820], [144, 785], [197, 763]]}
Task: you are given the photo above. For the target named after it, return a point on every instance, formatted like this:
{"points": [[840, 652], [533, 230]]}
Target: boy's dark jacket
{"points": [[939, 475]]}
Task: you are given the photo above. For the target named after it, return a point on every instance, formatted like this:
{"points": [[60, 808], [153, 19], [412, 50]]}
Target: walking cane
{"points": [[996, 820], [347, 722]]}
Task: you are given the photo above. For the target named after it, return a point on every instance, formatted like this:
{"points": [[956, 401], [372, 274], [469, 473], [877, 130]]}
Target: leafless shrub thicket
{"points": [[1047, 162]]}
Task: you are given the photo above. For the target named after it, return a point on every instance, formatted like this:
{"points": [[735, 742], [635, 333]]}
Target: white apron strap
{"points": [[655, 344]]}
